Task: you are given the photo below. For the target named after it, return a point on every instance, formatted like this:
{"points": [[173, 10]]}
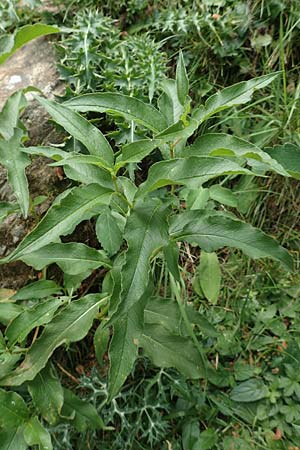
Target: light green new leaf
{"points": [[33, 317], [47, 394], [80, 203], [189, 171], [249, 391], [114, 103], [13, 410], [86, 415], [81, 129], [182, 82], [214, 231], [169, 103], [73, 258], [49, 152], [8, 311], [9, 115], [38, 289], [169, 350], [235, 95], [71, 324], [13, 439], [209, 273], [136, 151], [223, 195], [76, 158], [36, 434], [26, 34], [15, 161], [221, 144], [146, 231], [287, 155], [87, 173], [108, 233]]}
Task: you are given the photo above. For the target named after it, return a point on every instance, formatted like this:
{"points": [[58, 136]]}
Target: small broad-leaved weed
{"points": [[141, 219]]}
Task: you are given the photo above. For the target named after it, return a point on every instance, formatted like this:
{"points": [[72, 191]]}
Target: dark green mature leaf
{"points": [[8, 311], [30, 318], [223, 195], [209, 272], [13, 439], [86, 415], [168, 350], [73, 258], [249, 391], [13, 410], [36, 434], [145, 231], [101, 340], [77, 158], [235, 95], [49, 152], [108, 233], [114, 103], [38, 289], [80, 203], [9, 115], [6, 209], [214, 231], [287, 155], [70, 325], [26, 34], [47, 394], [15, 161], [182, 82], [136, 151], [81, 129], [8, 361], [221, 144], [87, 173], [188, 171], [169, 103]]}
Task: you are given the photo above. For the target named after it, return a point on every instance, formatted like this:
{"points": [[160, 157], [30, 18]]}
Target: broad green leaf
{"points": [[145, 232], [169, 103], [86, 415], [13, 439], [8, 362], [9, 115], [72, 258], [6, 209], [189, 171], [287, 155], [214, 231], [171, 254], [87, 173], [13, 410], [8, 312], [77, 158], [108, 233], [169, 350], [81, 203], [249, 391], [209, 273], [235, 95], [101, 339], [81, 129], [221, 144], [178, 132], [47, 394], [15, 161], [223, 195], [30, 318], [136, 151], [123, 349], [71, 324], [26, 34], [39, 289], [182, 82], [114, 103], [36, 434]]}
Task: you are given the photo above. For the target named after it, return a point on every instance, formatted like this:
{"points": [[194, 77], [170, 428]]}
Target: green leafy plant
{"points": [[140, 222]]}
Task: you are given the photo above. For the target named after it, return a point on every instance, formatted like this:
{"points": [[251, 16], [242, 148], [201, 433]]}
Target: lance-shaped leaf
{"points": [[33, 317], [87, 173], [182, 82], [123, 349], [287, 155], [221, 144], [212, 232], [86, 415], [114, 103], [70, 325], [9, 115], [81, 203], [81, 129], [47, 394], [76, 158], [108, 232], [136, 151], [15, 161], [36, 434], [170, 350], [169, 103], [49, 152], [26, 34], [189, 171], [13, 439], [73, 258], [38, 289], [146, 231], [209, 273], [235, 95], [13, 410]]}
